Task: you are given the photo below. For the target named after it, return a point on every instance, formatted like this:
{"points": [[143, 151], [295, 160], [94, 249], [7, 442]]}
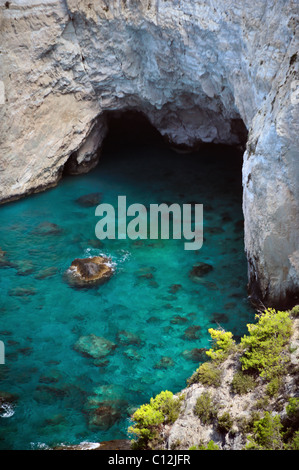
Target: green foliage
{"points": [[273, 387], [293, 444], [245, 425], [205, 408], [207, 374], [295, 311], [162, 409], [262, 404], [223, 344], [291, 422], [292, 409], [263, 347], [210, 446], [266, 434], [243, 383], [225, 423]]}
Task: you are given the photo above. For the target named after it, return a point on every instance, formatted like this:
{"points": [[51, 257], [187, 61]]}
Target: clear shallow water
{"points": [[58, 389]]}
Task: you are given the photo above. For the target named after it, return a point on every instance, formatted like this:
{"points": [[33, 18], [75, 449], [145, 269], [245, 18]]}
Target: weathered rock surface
{"points": [[89, 272], [94, 346], [198, 71], [188, 430]]}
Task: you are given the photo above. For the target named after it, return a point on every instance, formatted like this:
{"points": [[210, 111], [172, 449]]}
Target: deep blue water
{"points": [[150, 295]]}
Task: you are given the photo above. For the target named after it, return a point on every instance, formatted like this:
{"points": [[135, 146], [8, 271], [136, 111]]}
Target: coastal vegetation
{"points": [[164, 408], [261, 361]]}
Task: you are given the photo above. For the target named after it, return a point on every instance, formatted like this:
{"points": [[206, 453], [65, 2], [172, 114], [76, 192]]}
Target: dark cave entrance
{"points": [[218, 166], [131, 129]]}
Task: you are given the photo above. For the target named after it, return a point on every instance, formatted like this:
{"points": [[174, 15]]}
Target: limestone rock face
{"points": [[200, 71]]}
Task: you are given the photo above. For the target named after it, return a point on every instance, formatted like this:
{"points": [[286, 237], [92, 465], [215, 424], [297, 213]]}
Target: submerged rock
{"points": [[127, 337], [89, 200], [47, 228], [89, 272], [45, 273], [219, 318], [48, 395], [164, 363], [22, 291], [4, 261], [174, 288], [94, 346], [199, 270], [106, 406], [132, 354], [178, 320], [105, 416], [192, 332], [195, 354], [24, 267]]}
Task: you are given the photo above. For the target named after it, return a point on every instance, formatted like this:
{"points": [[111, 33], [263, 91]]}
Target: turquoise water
{"points": [[151, 309]]}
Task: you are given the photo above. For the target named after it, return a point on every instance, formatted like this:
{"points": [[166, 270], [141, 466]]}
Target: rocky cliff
{"points": [[201, 71]]}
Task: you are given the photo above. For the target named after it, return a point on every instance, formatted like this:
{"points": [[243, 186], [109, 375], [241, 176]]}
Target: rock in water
{"points": [[89, 200], [195, 354], [89, 272], [94, 346], [200, 270], [47, 228]]}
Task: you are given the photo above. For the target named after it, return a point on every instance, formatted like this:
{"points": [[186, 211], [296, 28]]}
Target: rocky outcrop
{"points": [[189, 430], [200, 72], [89, 272]]}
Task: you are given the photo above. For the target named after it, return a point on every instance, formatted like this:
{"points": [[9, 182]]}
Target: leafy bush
{"points": [[266, 434], [263, 347], [243, 383], [294, 442], [205, 408], [295, 311], [207, 374], [292, 409], [162, 409], [210, 446], [224, 423], [262, 403], [273, 387], [222, 346], [291, 422]]}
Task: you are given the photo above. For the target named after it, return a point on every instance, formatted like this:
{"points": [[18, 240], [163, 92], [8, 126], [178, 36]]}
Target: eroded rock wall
{"points": [[196, 69]]}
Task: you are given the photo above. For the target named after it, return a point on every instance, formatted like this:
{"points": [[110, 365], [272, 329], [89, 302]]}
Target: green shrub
{"points": [[295, 311], [225, 423], [292, 409], [205, 408], [210, 446], [263, 347], [207, 374], [223, 344], [273, 387], [266, 434], [162, 409], [291, 422], [294, 442], [245, 425], [262, 404], [243, 383]]}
